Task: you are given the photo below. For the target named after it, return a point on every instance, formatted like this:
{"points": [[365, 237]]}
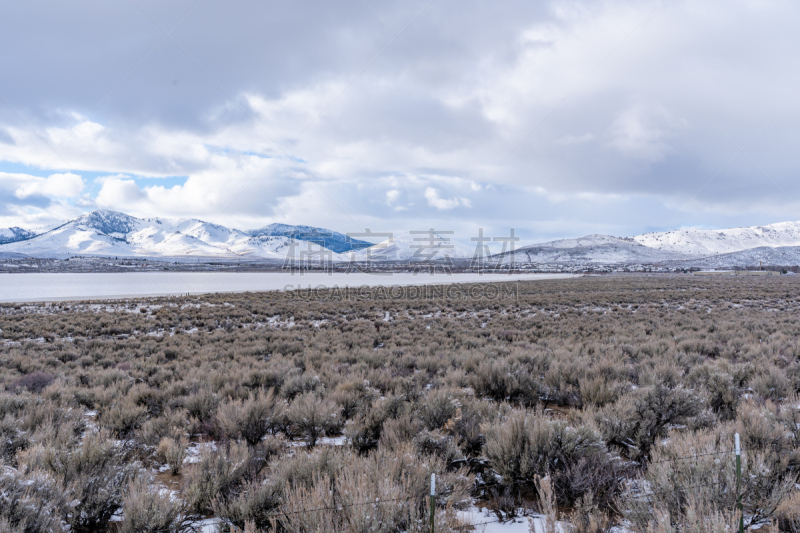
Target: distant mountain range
{"points": [[112, 234], [774, 244]]}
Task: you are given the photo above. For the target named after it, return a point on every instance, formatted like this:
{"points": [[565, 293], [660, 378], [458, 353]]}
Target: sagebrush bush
{"points": [[31, 501], [626, 371], [249, 420], [217, 474], [575, 458], [123, 417], [312, 418], [636, 421], [709, 479], [172, 452], [438, 408], [93, 476], [146, 509]]}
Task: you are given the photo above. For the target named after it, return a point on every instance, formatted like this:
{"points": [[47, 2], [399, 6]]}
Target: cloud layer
{"points": [[561, 118]]}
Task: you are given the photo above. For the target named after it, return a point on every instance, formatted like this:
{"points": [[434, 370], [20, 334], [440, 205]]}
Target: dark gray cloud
{"points": [[562, 117]]}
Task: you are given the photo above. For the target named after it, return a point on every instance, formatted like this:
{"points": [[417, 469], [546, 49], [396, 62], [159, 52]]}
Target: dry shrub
{"points": [[576, 459], [440, 445], [637, 420], [695, 473], [787, 515], [365, 431], [12, 438], [201, 405], [398, 432], [400, 480], [438, 408], [300, 384], [255, 503], [586, 517], [467, 429], [771, 384], [36, 381], [561, 384], [172, 452], [641, 357], [697, 517], [502, 380], [170, 423], [93, 476], [353, 397], [146, 509], [597, 391], [303, 466], [312, 418], [123, 417], [14, 404], [249, 527], [216, 475], [548, 506], [31, 501], [249, 420]]}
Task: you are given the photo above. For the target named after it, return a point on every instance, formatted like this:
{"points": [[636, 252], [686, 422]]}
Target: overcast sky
{"points": [[560, 119]]}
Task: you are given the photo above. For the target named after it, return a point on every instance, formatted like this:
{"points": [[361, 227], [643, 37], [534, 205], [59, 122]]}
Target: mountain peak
{"points": [[332, 240]]}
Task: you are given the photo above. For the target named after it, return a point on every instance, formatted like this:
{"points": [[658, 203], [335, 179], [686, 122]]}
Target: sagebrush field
{"points": [[598, 402]]}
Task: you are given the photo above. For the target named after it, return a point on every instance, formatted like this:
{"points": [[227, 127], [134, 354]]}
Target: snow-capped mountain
{"points": [[702, 243], [763, 255], [592, 250], [108, 233], [113, 234], [332, 240], [772, 245], [8, 235]]}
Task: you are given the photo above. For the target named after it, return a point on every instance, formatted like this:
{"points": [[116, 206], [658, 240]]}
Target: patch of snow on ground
{"points": [[209, 525], [193, 451], [333, 441], [520, 524]]}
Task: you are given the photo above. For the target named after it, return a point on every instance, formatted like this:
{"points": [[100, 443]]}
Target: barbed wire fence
{"points": [[646, 495]]}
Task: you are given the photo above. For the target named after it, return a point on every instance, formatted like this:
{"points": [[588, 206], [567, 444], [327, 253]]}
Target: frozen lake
{"points": [[63, 286]]}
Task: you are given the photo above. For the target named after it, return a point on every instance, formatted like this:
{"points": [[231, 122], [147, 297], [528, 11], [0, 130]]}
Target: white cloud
{"points": [[56, 185], [120, 192], [573, 107], [643, 132], [442, 204]]}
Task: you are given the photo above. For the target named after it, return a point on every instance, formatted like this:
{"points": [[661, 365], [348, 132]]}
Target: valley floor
{"points": [[589, 404]]}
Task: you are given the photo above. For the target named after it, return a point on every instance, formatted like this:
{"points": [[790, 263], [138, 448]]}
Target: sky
{"points": [[559, 119]]}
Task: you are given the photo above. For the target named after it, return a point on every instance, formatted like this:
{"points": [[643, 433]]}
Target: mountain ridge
{"points": [[109, 233]]}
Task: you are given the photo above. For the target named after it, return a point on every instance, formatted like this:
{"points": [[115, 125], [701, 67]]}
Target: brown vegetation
{"points": [[600, 400]]}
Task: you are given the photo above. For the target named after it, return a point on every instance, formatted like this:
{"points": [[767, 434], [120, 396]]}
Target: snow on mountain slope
{"points": [[332, 240], [703, 243], [594, 249], [8, 235], [108, 233], [763, 255]]}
